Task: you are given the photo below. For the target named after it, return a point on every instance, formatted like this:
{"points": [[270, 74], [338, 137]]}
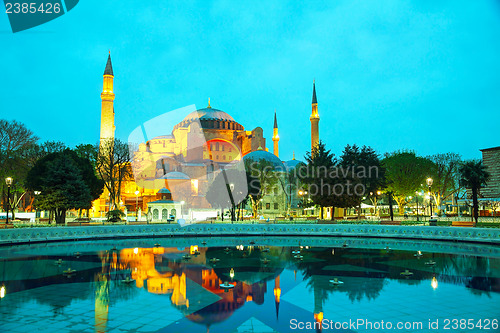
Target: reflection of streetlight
{"points": [[434, 282], [429, 183], [231, 273], [136, 203], [2, 291], [8, 181]]}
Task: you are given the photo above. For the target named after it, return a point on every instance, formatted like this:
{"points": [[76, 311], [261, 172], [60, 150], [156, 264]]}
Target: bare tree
{"points": [[113, 166], [445, 175]]}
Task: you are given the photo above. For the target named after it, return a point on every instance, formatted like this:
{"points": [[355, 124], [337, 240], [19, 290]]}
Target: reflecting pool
{"points": [[250, 285]]}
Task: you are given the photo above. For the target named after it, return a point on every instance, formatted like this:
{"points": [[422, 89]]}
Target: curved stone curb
{"points": [[38, 235]]}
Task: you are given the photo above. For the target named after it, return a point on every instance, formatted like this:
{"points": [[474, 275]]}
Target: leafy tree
{"points": [[320, 162], [405, 173], [113, 166], [473, 176], [365, 169], [62, 180], [16, 141], [88, 151]]}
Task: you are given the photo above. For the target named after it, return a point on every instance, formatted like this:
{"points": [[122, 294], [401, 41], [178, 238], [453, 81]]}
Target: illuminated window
{"points": [[275, 205], [155, 214], [164, 214], [194, 186], [268, 205]]}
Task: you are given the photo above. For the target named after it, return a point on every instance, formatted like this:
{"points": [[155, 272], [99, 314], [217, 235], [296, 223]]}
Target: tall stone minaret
{"points": [[276, 137], [107, 108], [314, 120]]}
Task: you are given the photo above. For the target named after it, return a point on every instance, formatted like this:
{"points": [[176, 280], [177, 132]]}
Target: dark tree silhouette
{"points": [[473, 176]]}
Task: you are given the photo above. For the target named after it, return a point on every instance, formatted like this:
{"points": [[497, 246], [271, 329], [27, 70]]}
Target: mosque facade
{"points": [[185, 160]]}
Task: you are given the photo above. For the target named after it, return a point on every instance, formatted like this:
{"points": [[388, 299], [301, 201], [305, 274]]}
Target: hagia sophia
{"points": [[173, 171]]}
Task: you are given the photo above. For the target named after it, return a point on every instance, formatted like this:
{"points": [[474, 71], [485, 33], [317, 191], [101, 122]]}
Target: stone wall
{"points": [[54, 234], [491, 159]]}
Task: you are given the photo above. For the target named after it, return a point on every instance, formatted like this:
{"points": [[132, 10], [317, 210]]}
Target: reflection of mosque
{"points": [[192, 286], [164, 271]]}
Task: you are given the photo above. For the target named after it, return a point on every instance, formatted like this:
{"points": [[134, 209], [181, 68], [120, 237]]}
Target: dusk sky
{"points": [[420, 75]]}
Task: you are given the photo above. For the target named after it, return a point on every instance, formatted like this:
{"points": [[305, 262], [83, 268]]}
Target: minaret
{"points": [[277, 295], [107, 108], [314, 120], [276, 137]]}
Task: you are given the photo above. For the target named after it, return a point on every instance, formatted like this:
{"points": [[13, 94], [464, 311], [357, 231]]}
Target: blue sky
{"points": [[421, 75]]}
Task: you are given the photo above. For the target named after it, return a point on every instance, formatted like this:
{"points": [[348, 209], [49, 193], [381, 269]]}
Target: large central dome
{"points": [[209, 114], [210, 118]]}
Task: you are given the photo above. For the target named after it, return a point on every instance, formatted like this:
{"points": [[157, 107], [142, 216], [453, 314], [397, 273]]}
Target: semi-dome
{"points": [[292, 164], [176, 175], [259, 155]]}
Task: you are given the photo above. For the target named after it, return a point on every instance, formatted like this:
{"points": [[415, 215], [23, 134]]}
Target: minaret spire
{"points": [[276, 137], [107, 105], [314, 120], [109, 67], [314, 99]]}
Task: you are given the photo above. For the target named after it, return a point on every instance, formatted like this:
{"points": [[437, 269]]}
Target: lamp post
{"points": [[136, 203], [36, 209], [8, 181], [416, 199], [429, 183]]}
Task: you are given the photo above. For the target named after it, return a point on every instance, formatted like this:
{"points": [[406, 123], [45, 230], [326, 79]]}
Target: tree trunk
{"points": [[391, 212], [359, 212], [321, 212], [475, 204], [222, 214], [332, 214], [60, 216]]}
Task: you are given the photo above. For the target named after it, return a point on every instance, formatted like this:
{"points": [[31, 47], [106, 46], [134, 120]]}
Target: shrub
{"points": [[115, 215]]}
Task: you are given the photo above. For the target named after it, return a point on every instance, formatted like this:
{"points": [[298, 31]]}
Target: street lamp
{"points": [[429, 183], [136, 203], [36, 209], [8, 181], [416, 199]]}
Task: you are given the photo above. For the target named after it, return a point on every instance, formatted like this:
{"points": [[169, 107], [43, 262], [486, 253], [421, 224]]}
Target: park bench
{"points": [[390, 222], [462, 224]]}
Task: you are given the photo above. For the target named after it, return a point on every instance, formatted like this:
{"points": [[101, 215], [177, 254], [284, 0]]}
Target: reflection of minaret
{"points": [[107, 108], [276, 137], [314, 120], [318, 304], [277, 294], [102, 295]]}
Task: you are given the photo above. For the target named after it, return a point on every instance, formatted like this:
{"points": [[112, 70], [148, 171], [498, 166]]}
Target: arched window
{"points": [[173, 212], [155, 214], [164, 214]]}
